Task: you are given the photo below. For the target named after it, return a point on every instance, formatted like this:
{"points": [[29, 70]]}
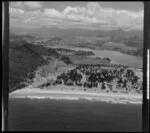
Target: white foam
{"points": [[108, 100], [37, 93]]}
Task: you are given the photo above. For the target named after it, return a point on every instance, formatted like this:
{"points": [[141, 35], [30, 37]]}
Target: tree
{"points": [[66, 59]]}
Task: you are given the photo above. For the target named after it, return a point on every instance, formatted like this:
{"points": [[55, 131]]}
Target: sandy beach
{"points": [[37, 93]]}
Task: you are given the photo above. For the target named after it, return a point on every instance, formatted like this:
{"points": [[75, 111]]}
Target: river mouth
{"points": [[115, 56]]}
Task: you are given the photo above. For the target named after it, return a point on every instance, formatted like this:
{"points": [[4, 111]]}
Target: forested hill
{"points": [[24, 58]]}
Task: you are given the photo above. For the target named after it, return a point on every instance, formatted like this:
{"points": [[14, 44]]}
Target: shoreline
{"points": [[57, 94]]}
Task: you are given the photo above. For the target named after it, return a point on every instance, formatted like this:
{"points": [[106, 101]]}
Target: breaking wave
{"points": [[108, 100]]}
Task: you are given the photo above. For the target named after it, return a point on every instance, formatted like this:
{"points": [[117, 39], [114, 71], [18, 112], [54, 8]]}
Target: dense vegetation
{"points": [[43, 51], [138, 52], [66, 59], [85, 53], [95, 76], [79, 52], [24, 58]]}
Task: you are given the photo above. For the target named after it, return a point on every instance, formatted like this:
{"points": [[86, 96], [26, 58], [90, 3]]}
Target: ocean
{"points": [[73, 115]]}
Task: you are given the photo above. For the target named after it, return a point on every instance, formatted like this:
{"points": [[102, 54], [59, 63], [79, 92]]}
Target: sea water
{"points": [[73, 115]]}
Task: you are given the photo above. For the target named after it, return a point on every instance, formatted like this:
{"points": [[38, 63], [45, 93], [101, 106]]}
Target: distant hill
{"points": [[54, 31], [21, 36], [132, 38]]}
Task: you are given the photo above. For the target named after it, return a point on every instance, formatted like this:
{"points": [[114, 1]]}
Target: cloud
{"points": [[15, 11], [92, 16], [69, 9], [16, 4], [52, 13], [29, 5], [33, 5]]}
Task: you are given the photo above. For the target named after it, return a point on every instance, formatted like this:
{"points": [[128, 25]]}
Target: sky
{"points": [[87, 15]]}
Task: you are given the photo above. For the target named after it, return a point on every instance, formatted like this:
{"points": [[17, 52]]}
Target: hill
{"points": [[54, 31], [24, 58]]}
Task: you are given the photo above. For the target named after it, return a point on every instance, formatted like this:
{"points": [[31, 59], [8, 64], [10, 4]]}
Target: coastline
{"points": [[57, 94]]}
